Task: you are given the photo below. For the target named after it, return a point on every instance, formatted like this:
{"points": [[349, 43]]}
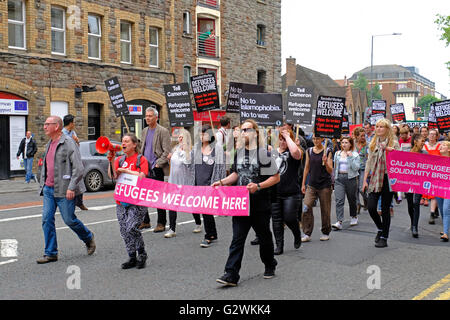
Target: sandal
{"points": [[444, 238]]}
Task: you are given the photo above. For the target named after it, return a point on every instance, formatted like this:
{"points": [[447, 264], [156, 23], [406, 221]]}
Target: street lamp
{"points": [[371, 58]]}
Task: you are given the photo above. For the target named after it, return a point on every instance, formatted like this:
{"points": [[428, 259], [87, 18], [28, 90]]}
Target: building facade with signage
{"points": [[56, 54]]}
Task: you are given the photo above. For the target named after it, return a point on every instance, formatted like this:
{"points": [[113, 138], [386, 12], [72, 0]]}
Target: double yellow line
{"points": [[443, 296]]}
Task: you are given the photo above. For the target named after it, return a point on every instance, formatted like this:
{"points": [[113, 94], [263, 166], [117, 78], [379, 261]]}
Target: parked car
{"points": [[95, 166]]}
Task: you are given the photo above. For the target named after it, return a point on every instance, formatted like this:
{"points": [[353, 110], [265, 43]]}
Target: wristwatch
{"points": [[258, 186]]}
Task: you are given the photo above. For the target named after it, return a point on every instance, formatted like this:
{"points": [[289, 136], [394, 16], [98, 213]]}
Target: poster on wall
{"points": [[16, 134]]}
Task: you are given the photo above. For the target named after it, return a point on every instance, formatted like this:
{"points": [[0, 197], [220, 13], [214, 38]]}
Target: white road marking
{"points": [[9, 261], [99, 208]]}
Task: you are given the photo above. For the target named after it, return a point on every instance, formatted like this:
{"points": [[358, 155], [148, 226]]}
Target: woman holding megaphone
{"points": [[130, 216]]}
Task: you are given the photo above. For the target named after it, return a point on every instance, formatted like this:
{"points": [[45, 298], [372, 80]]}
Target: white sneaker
{"points": [[324, 237], [197, 229], [337, 225], [354, 221], [170, 234], [306, 238]]}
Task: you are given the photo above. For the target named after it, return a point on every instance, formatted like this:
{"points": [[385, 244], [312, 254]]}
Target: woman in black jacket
{"points": [[28, 149]]}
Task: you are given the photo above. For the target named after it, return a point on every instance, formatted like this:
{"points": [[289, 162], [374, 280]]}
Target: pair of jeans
{"points": [[444, 208], [260, 222], [157, 174], [343, 186], [28, 165], [311, 196], [67, 209], [285, 209], [413, 200], [383, 223]]}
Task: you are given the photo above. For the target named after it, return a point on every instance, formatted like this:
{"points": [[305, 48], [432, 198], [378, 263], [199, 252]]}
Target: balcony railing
{"points": [[210, 3], [208, 47]]}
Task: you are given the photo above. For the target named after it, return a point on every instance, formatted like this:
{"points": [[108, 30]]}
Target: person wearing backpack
{"points": [[130, 216]]}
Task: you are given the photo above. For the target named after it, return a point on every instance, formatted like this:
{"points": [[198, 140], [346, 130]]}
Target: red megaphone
{"points": [[103, 145]]}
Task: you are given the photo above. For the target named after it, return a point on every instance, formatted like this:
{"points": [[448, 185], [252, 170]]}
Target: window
{"points": [[261, 80], [187, 74], [59, 108], [186, 22], [58, 16], [401, 86], [154, 47], [94, 37], [16, 24], [125, 42], [261, 35]]}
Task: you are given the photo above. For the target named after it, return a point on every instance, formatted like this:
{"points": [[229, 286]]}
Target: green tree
{"points": [[362, 84], [443, 23], [424, 104]]}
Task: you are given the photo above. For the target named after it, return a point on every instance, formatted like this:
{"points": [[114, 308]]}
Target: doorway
{"points": [[94, 124], [4, 147]]}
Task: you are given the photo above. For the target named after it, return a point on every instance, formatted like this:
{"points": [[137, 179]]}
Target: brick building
{"points": [[398, 84], [56, 54]]}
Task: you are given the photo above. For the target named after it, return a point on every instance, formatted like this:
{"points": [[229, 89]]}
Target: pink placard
{"points": [[419, 173], [225, 201]]}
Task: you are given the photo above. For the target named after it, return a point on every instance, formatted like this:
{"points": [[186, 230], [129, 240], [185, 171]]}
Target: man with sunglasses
{"points": [[61, 175]]}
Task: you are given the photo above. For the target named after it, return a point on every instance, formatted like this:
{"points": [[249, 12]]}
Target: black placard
{"points": [[345, 122], [179, 105], [442, 112], [206, 95], [329, 114], [398, 113], [265, 108], [235, 89], [432, 122], [299, 105], [378, 107], [117, 98]]}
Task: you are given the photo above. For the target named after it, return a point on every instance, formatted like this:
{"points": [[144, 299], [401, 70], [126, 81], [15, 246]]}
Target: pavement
{"points": [[17, 185]]}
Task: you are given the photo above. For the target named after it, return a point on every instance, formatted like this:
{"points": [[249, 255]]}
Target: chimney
{"points": [[345, 81], [291, 72]]}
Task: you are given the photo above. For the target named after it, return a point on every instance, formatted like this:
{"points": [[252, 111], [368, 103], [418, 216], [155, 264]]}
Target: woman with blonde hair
{"points": [[181, 173], [384, 140]]}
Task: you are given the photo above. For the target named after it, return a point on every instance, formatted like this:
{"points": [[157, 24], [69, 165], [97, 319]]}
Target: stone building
{"points": [[56, 54]]}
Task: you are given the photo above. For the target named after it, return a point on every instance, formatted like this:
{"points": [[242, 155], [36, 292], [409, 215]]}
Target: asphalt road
{"points": [[348, 266]]}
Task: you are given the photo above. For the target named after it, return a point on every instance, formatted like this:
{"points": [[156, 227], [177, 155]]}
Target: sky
{"points": [[334, 37]]}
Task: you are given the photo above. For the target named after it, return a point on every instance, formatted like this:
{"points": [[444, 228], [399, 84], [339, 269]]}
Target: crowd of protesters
{"points": [[286, 179]]}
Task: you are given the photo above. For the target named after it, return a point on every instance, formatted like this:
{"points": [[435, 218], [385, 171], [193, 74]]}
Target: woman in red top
{"points": [[131, 216], [432, 147]]}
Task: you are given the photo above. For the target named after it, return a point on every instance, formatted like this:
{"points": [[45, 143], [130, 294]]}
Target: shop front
{"points": [[13, 125]]}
